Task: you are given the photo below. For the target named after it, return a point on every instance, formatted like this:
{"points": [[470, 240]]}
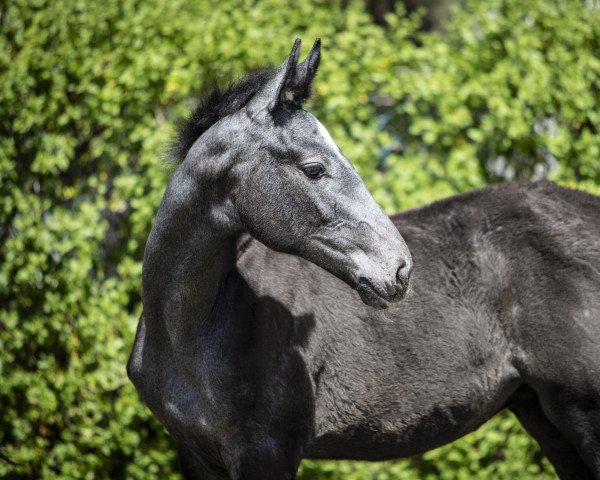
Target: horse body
{"points": [[253, 358], [505, 293]]}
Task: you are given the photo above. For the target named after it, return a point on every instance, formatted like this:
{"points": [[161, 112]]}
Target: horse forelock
{"points": [[218, 103]]}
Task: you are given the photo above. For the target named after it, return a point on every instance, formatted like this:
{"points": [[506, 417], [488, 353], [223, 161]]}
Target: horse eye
{"points": [[313, 170]]}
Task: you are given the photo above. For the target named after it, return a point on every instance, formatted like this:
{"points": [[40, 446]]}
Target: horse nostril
{"points": [[403, 272]]}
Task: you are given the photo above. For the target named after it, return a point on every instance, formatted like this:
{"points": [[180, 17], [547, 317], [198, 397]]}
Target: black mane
{"points": [[294, 88], [215, 105]]}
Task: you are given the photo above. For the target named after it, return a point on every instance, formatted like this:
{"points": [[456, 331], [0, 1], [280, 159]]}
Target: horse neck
{"points": [[188, 256]]}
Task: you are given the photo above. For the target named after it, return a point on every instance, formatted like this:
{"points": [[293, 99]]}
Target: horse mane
{"points": [[221, 102], [216, 104]]}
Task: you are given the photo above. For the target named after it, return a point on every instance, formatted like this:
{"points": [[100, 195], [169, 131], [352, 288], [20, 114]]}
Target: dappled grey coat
{"points": [[254, 358]]}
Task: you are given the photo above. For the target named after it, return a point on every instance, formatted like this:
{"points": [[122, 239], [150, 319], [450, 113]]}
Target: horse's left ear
{"points": [[298, 88], [272, 92]]}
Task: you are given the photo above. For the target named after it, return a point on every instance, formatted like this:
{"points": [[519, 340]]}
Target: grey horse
{"points": [[254, 356]]}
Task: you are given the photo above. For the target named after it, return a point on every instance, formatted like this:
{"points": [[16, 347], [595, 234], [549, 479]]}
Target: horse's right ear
{"points": [[267, 98], [298, 89]]}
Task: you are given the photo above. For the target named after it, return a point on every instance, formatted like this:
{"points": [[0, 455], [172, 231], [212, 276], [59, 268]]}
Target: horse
{"points": [[284, 316]]}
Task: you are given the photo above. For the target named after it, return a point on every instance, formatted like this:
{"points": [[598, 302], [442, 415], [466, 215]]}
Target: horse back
{"points": [[529, 255]]}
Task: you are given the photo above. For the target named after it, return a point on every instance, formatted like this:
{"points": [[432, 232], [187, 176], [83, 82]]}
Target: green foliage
{"points": [[516, 89], [88, 94]]}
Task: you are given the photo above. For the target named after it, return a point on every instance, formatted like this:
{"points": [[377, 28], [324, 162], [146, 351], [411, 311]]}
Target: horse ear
{"points": [[271, 92], [298, 89]]}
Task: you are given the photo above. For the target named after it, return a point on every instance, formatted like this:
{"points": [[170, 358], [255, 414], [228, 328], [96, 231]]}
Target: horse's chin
{"points": [[373, 298]]}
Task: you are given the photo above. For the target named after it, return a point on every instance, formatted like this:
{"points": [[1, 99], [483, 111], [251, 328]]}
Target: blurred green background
{"points": [[425, 102]]}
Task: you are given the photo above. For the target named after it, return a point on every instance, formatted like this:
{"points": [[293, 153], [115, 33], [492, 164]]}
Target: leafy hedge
{"points": [[88, 94]]}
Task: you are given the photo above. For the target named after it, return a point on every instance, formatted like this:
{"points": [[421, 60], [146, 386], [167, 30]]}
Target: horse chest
{"points": [[222, 393]]}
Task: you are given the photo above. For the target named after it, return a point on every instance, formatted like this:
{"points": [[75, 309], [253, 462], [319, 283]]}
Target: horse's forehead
{"points": [[324, 133], [327, 140]]}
